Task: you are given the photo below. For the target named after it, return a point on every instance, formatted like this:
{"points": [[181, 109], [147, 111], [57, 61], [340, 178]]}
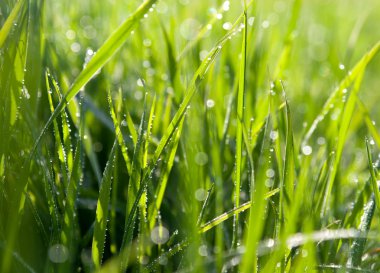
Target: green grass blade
{"points": [[103, 55], [102, 211], [6, 28], [227, 215], [239, 129], [119, 135], [342, 135], [345, 83]]}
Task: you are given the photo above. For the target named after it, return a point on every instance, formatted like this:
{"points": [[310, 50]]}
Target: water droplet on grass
{"points": [[270, 173], [226, 5], [341, 66], [227, 26], [273, 135]]}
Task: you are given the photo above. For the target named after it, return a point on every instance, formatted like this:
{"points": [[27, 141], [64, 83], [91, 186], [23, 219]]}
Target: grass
{"points": [[179, 136]]}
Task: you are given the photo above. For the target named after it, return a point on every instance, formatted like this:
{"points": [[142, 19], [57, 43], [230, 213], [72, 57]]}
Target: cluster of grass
{"points": [[189, 136]]}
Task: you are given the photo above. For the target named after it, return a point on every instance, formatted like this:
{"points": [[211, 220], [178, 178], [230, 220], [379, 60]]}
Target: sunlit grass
{"points": [[189, 136]]}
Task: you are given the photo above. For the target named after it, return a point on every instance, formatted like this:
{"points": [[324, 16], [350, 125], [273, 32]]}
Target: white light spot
{"points": [[138, 95], [265, 24], [200, 194], [70, 34], [75, 47], [159, 235], [210, 103], [273, 135], [341, 66], [321, 141], [58, 253], [251, 20], [270, 173], [202, 250], [227, 26], [140, 82], [203, 54], [189, 29], [307, 150], [201, 158], [269, 183], [226, 5], [147, 42]]}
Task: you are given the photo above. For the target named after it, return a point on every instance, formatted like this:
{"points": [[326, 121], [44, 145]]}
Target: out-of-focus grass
{"points": [[202, 136]]}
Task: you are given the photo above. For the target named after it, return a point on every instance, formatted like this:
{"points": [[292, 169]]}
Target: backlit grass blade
{"points": [[162, 184], [102, 56], [343, 130], [70, 224], [58, 141], [223, 217], [345, 83], [101, 220], [197, 78], [369, 122], [135, 191], [239, 129], [373, 178], [358, 244], [6, 28], [256, 215], [119, 135]]}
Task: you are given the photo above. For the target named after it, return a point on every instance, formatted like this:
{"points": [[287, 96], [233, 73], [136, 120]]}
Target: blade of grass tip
{"points": [[288, 41], [289, 166], [149, 131], [119, 135], [205, 204], [256, 214], [345, 83], [162, 184], [66, 131], [102, 56], [205, 30], [69, 218], [131, 127], [134, 192], [191, 90], [375, 186], [342, 135], [227, 215], [239, 129], [73, 109], [6, 28], [368, 121], [58, 141], [102, 210]]}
